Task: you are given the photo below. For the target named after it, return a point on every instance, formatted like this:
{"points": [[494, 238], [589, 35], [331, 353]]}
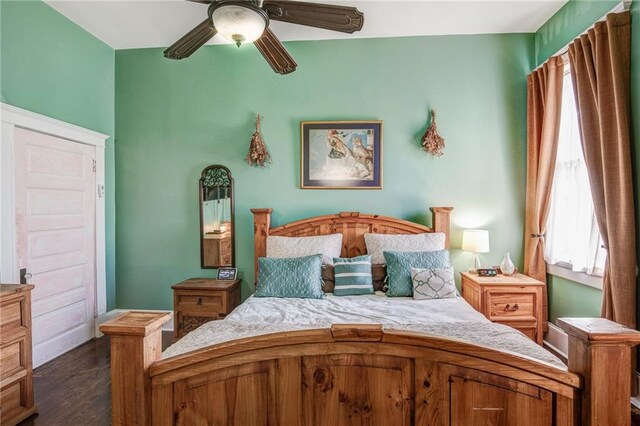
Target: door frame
{"points": [[11, 118]]}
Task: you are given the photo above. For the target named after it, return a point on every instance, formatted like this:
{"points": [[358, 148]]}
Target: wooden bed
{"points": [[362, 374]]}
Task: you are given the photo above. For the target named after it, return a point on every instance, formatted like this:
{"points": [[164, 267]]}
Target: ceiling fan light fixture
{"points": [[239, 23]]}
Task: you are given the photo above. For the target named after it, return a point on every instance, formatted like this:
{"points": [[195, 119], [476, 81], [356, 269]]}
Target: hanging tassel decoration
{"points": [[258, 155], [432, 142]]}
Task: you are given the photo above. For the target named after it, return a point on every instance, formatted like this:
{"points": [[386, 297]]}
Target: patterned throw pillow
{"points": [[352, 276], [377, 244], [399, 266], [292, 277], [436, 283], [329, 246]]}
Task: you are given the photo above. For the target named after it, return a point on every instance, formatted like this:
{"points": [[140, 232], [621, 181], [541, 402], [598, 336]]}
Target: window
{"points": [[572, 239]]}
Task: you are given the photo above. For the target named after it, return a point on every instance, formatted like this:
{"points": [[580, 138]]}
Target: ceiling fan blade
{"points": [[275, 53], [327, 16], [191, 41]]}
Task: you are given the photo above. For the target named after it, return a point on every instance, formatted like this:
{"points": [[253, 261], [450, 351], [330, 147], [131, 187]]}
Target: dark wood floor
{"points": [[74, 389]]}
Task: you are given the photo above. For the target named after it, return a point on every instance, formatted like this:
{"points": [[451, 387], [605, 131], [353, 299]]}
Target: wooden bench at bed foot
{"points": [[362, 375]]}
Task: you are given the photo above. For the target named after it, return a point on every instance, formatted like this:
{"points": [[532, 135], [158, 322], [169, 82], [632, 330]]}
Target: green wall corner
{"points": [[567, 298], [57, 69]]}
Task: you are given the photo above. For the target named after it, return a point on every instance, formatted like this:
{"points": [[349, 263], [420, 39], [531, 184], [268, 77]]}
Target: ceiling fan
{"points": [[246, 21]]}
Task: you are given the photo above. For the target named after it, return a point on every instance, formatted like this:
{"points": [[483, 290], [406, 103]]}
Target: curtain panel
{"points": [[544, 104], [601, 67]]}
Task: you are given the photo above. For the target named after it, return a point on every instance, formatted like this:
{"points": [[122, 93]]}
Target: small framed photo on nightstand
{"points": [[227, 273]]}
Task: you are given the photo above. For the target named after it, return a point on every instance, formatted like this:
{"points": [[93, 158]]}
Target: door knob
{"points": [[24, 276]]}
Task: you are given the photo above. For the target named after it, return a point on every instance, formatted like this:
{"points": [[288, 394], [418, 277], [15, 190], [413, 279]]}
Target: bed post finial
{"points": [[261, 225], [136, 343], [601, 352], [441, 221]]}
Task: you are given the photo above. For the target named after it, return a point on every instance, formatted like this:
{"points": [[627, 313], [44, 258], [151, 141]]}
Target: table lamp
{"points": [[475, 241]]}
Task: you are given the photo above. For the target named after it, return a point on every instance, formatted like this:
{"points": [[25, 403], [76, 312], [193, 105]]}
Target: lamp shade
{"points": [[238, 23], [475, 240]]}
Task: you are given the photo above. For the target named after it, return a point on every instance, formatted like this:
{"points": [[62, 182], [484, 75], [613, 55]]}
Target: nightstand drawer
{"points": [[200, 302], [528, 328], [504, 306], [530, 331]]}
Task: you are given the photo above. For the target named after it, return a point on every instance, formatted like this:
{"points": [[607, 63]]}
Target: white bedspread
{"points": [[444, 317]]}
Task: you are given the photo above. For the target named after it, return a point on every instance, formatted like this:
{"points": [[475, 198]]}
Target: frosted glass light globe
{"points": [[238, 23]]}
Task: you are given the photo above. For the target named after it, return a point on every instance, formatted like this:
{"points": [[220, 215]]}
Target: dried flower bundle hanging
{"points": [[432, 142], [258, 155]]}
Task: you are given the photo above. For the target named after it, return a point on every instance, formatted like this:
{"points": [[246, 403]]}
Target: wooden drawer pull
{"points": [[511, 308], [199, 301]]}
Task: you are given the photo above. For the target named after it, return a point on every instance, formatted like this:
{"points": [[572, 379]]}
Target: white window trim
{"points": [[12, 117], [567, 273]]}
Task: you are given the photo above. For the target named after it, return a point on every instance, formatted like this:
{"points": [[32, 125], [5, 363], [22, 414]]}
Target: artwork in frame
{"points": [[341, 155]]}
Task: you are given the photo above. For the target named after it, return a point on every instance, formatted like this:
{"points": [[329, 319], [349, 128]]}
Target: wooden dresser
{"points": [[16, 372], [514, 300], [200, 300]]}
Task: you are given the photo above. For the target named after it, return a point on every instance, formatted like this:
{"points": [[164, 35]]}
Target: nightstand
{"points": [[514, 300], [200, 300]]}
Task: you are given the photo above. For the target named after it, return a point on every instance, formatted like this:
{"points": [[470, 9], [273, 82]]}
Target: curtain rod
{"points": [[564, 50]]}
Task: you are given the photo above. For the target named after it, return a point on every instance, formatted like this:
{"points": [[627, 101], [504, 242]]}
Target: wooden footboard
{"points": [[360, 374]]}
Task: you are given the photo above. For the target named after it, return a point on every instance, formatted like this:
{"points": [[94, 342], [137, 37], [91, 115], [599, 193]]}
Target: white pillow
{"points": [[379, 243], [437, 283], [329, 246]]}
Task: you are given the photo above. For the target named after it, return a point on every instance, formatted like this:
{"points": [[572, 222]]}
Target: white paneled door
{"points": [[55, 238]]}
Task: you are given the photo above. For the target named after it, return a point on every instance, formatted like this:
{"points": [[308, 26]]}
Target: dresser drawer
{"points": [[15, 402], [12, 322], [13, 359], [194, 302], [503, 306]]}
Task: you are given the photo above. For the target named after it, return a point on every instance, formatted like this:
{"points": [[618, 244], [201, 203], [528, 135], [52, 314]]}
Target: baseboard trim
{"points": [[168, 326], [557, 340]]}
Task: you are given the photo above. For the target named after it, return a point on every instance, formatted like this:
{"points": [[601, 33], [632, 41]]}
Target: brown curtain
{"points": [[544, 102], [600, 67]]}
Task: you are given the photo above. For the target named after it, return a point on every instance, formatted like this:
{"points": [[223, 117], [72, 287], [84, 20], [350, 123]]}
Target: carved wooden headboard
{"points": [[352, 226]]}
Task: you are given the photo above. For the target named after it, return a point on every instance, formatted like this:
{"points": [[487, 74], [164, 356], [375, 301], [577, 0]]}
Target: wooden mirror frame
{"points": [[201, 186]]}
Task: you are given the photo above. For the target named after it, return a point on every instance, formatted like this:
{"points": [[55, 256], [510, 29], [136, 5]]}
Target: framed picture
{"points": [[341, 155], [227, 273]]}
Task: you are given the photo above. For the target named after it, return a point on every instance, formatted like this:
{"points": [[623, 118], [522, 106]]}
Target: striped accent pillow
{"points": [[352, 276]]}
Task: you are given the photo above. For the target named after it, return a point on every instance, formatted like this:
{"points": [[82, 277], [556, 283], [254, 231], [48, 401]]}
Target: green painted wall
{"points": [[51, 66], [567, 298], [175, 118], [571, 299]]}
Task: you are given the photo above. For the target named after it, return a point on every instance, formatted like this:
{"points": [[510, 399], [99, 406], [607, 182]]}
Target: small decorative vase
{"points": [[507, 267]]}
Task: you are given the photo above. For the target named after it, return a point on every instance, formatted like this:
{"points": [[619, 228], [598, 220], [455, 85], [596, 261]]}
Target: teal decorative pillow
{"points": [[437, 283], [290, 277], [352, 276], [399, 266]]}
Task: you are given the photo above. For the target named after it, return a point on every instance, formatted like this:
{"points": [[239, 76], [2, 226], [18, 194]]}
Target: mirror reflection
{"points": [[216, 217]]}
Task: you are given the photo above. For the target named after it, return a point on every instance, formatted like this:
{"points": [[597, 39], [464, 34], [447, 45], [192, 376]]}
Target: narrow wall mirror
{"points": [[217, 234]]}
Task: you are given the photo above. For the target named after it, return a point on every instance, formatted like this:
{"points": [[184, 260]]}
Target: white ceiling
{"points": [[127, 24]]}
